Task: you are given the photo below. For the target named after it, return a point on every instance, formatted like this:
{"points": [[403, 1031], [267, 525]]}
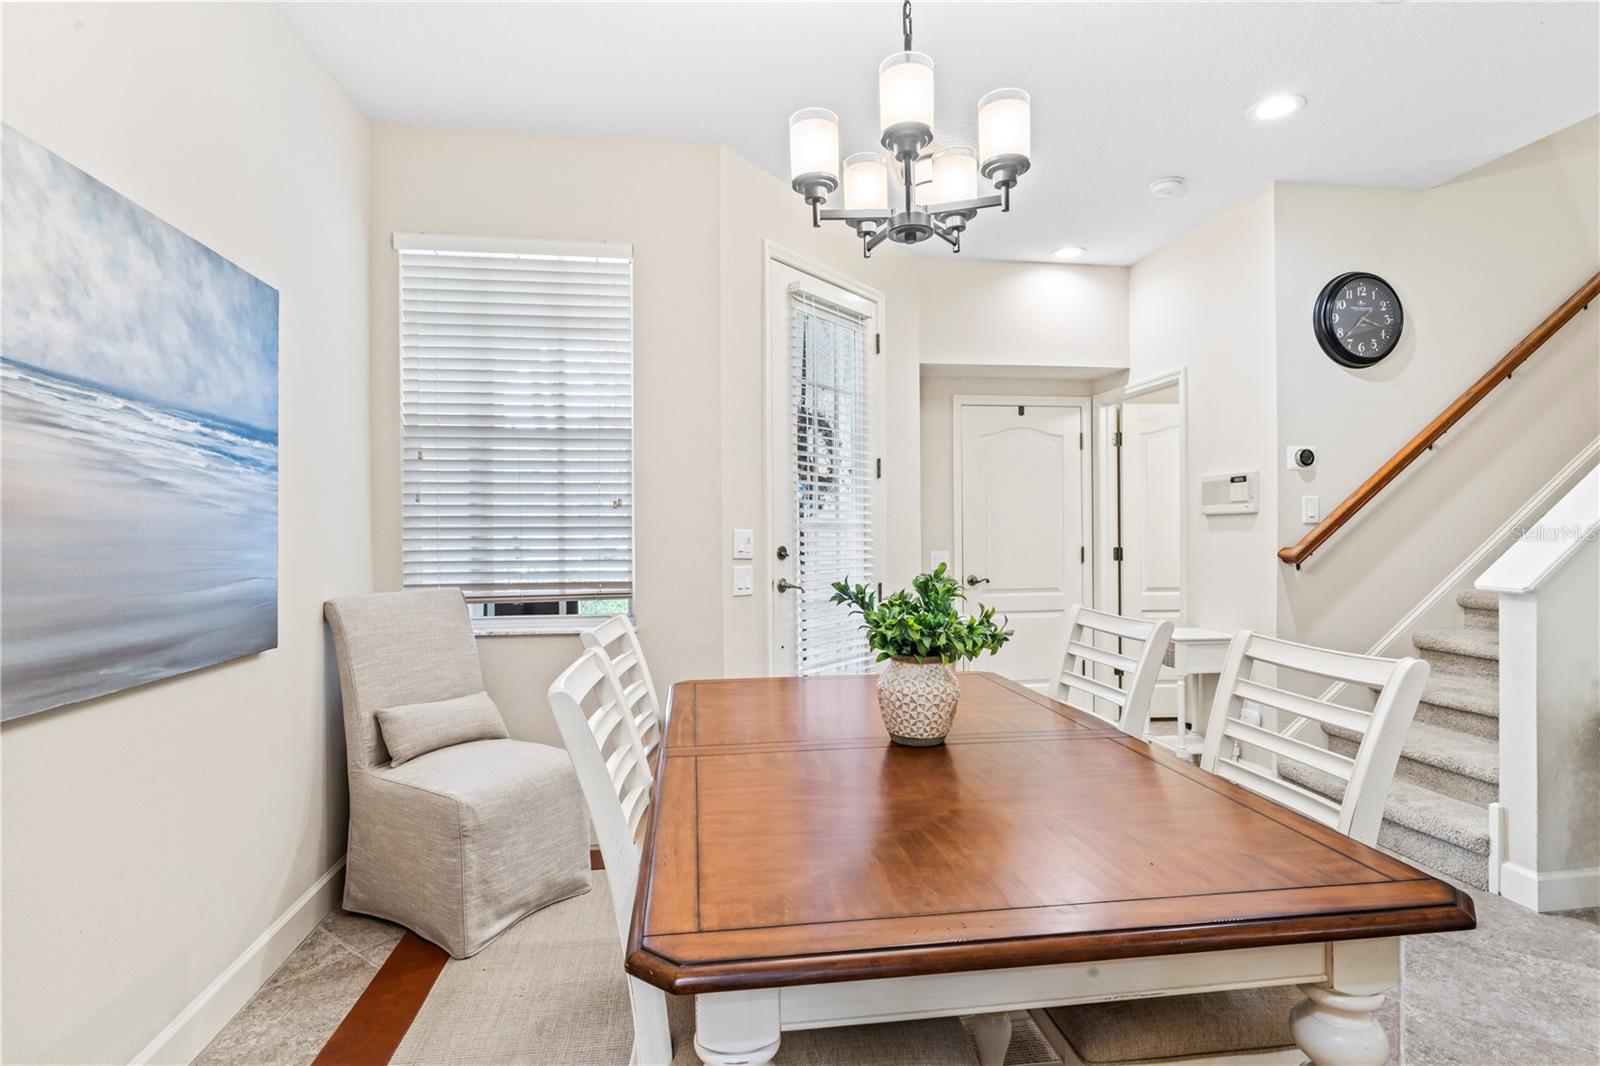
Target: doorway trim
{"points": [[1085, 466], [1106, 502], [773, 376]]}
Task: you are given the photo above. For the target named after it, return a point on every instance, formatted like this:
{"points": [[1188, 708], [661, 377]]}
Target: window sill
{"points": [[519, 627]]}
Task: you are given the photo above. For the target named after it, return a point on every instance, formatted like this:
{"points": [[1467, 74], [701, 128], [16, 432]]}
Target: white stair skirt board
{"points": [[1553, 890], [197, 1024]]}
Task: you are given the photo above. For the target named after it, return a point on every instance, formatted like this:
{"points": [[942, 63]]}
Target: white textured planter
{"points": [[917, 698]]}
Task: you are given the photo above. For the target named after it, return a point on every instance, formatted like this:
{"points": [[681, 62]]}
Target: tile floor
{"points": [[1522, 988]]}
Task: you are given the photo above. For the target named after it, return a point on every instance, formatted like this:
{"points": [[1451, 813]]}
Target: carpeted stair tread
{"points": [[1422, 810], [1472, 643], [1478, 600], [1444, 749], [1472, 695]]}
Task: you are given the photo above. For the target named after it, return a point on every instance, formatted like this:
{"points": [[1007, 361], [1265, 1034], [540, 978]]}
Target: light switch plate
{"points": [[744, 581], [744, 544], [1310, 510]]}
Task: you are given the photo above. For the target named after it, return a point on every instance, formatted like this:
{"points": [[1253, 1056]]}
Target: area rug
{"points": [[549, 992]]}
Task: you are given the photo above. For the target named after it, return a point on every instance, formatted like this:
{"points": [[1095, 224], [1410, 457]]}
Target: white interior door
{"points": [[823, 387], [1151, 512], [1022, 494]]}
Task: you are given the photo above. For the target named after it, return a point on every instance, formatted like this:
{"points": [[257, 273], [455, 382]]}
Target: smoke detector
{"points": [[1166, 188]]}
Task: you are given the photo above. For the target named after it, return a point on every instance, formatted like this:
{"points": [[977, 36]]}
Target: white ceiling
{"points": [[1407, 94]]}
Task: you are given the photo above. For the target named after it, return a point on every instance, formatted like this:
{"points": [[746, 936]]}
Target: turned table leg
{"points": [[992, 1033], [1335, 1025], [736, 1028]]}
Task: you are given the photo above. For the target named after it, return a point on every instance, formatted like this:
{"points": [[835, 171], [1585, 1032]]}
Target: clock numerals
{"points": [[1358, 319]]}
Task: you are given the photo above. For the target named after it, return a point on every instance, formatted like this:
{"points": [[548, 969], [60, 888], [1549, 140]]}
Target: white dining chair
{"points": [[1142, 645], [591, 711], [619, 642], [1252, 716]]}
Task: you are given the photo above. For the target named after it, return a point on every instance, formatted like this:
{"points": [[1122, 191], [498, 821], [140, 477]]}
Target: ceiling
{"points": [[1403, 94]]}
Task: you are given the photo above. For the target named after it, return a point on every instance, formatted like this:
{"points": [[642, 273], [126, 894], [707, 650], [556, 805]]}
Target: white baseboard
{"points": [[1554, 890], [198, 1023]]}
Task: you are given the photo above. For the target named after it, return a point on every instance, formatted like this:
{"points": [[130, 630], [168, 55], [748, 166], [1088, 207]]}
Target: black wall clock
{"points": [[1357, 319]]}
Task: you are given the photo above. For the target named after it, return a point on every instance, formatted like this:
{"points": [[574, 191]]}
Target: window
{"points": [[517, 422]]}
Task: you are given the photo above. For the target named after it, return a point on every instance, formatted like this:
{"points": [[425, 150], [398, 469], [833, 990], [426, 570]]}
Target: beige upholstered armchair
{"points": [[455, 842]]}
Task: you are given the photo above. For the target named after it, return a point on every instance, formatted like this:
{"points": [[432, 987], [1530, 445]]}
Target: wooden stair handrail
{"points": [[1419, 444]]}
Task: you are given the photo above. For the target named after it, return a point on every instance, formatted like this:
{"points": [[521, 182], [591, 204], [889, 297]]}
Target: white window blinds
{"points": [[830, 389], [517, 412]]}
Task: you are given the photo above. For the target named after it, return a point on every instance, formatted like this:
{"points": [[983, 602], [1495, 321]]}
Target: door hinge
{"points": [[1080, 442], [1116, 554], [1116, 439], [1021, 410], [880, 592], [877, 344], [1083, 554], [880, 467]]}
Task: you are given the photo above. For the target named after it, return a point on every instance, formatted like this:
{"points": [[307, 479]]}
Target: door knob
{"points": [[973, 581], [784, 585]]}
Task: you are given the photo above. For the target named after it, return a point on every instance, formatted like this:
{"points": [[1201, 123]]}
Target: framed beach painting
{"points": [[138, 443]]}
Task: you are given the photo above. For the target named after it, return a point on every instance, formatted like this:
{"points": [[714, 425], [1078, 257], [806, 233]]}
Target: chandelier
{"points": [[937, 192]]}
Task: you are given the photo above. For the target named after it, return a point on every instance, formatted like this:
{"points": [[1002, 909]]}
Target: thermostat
{"points": [[1229, 493]]}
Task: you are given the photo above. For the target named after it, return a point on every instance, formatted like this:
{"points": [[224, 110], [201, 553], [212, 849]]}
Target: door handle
{"points": [[973, 581], [784, 585]]}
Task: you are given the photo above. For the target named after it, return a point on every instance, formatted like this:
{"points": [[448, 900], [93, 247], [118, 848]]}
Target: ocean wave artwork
{"points": [[138, 443]]}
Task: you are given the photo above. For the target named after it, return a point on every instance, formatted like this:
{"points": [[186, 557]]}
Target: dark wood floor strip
{"points": [[377, 1023]]}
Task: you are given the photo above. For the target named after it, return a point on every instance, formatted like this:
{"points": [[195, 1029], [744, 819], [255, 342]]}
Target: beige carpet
{"points": [[551, 991]]}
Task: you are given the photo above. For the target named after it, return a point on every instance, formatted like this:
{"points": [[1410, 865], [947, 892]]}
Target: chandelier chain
{"points": [[905, 23]]}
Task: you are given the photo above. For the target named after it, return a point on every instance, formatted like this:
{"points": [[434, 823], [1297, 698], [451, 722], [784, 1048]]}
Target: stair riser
{"points": [[1448, 664], [1486, 621], [1445, 782], [1436, 855], [1477, 725]]}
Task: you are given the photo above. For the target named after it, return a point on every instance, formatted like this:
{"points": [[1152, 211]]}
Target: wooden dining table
{"points": [[799, 871]]}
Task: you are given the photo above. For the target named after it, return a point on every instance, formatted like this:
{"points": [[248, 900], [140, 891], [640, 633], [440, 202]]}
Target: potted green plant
{"points": [[923, 636]]}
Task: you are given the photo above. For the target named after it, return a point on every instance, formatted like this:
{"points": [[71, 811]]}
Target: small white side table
{"points": [[1193, 654]]}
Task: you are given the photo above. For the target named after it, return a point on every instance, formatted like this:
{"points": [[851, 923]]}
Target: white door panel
{"points": [[1023, 527], [1151, 585]]}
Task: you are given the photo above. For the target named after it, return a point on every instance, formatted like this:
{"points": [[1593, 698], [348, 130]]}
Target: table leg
{"points": [[736, 1028], [992, 1033], [1335, 1026], [652, 1039]]}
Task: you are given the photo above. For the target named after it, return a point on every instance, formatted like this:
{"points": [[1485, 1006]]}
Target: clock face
{"points": [[1358, 319]]}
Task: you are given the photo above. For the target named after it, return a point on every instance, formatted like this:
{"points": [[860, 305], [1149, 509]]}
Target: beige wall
{"points": [[757, 208], [1477, 263], [151, 836], [938, 395], [700, 362], [1022, 315], [556, 188], [1204, 302]]}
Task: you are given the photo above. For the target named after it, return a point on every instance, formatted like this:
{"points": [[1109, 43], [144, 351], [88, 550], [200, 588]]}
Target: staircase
{"points": [[1449, 772]]}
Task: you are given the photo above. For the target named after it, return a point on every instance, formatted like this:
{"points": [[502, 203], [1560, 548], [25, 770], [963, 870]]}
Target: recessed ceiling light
{"points": [[1280, 106], [1071, 251], [1166, 188]]}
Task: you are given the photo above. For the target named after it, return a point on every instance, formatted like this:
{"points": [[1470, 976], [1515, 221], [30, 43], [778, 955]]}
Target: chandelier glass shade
{"points": [[937, 191], [866, 182]]}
